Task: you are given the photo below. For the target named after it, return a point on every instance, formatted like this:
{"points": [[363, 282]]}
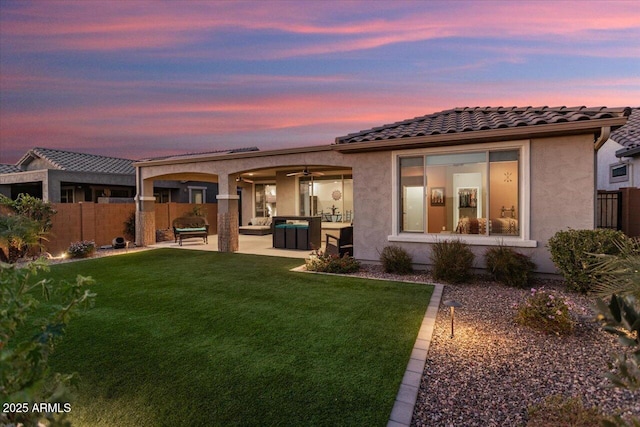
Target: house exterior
{"points": [[619, 179], [60, 176], [619, 157], [486, 176]]}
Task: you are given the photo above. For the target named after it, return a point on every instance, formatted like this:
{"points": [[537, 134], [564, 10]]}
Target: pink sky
{"points": [[144, 79]]}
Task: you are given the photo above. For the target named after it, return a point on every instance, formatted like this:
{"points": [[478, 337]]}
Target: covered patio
{"points": [[254, 185]]}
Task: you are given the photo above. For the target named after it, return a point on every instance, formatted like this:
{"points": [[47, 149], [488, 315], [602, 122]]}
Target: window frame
{"points": [[523, 240], [193, 189], [621, 178]]}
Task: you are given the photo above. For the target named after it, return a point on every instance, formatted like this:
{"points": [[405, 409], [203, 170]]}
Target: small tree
{"points": [[24, 224], [25, 376]]}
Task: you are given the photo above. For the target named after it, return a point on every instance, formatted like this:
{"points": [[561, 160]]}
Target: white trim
{"points": [[197, 188], [621, 178], [227, 197], [470, 239], [524, 146], [145, 198]]}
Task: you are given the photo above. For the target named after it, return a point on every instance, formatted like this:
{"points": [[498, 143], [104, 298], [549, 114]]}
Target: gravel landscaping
{"points": [[494, 369]]}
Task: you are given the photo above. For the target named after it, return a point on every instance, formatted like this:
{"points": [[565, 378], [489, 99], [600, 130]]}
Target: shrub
{"points": [[547, 311], [560, 411], [325, 263], [130, 226], [394, 259], [452, 261], [82, 249], [25, 375], [509, 267], [571, 253], [23, 224]]}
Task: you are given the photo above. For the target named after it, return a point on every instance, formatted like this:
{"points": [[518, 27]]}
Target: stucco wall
{"points": [[607, 157], [562, 195], [562, 190]]}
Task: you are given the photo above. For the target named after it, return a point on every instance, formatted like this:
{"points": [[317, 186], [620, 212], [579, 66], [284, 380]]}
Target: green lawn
{"points": [[182, 337]]}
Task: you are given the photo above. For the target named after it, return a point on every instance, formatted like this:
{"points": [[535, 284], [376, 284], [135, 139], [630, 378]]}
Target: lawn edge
{"points": [[405, 402]]}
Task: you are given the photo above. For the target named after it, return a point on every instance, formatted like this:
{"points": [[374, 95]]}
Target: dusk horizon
{"points": [[147, 79]]}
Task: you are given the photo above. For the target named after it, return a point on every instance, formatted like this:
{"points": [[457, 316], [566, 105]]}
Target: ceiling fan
{"points": [[305, 172], [240, 178]]}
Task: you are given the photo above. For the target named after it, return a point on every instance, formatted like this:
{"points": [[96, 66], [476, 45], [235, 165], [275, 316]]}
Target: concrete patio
{"points": [[255, 245]]}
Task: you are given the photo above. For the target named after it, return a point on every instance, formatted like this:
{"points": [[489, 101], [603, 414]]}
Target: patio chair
{"points": [[340, 245]]}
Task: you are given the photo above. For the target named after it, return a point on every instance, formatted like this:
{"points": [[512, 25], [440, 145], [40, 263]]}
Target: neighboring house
{"points": [[486, 176], [618, 204], [60, 176], [619, 157]]}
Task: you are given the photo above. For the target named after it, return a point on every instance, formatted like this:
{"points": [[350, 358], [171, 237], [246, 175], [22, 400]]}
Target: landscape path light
{"points": [[453, 304]]}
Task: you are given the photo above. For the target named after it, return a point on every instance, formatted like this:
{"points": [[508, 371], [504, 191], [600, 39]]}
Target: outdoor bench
{"points": [[190, 226]]}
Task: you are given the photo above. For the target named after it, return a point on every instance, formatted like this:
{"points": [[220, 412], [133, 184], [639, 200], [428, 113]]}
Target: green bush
{"points": [[452, 261], [571, 252], [130, 226], [25, 375], [394, 259], [24, 222], [325, 263], [509, 267], [547, 311], [560, 411], [83, 249]]}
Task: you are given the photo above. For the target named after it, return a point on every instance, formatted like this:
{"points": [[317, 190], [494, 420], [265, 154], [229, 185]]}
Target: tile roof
{"points": [[5, 168], [629, 134], [459, 120], [81, 162], [227, 151]]}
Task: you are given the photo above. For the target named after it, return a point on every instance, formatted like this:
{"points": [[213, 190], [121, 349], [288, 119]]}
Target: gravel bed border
{"points": [[494, 369]]}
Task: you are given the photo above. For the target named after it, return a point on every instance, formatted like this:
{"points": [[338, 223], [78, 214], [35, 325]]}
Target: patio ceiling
{"points": [[270, 173]]}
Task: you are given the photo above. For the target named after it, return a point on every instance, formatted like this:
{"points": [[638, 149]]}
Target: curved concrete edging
{"points": [[402, 411]]}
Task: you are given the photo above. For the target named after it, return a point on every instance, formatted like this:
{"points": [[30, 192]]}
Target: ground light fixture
{"points": [[452, 304]]}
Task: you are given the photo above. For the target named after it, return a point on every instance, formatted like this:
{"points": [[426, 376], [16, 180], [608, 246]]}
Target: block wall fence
{"points": [[102, 222]]}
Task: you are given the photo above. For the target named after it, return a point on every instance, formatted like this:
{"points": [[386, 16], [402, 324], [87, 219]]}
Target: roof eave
{"points": [[628, 152], [247, 154], [493, 135]]}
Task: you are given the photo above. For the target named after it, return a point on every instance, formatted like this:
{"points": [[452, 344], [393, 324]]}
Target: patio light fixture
{"points": [[452, 304]]}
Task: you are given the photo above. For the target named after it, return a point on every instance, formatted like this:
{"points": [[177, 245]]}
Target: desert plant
{"points": [[509, 267], [571, 253], [452, 261], [557, 410], [395, 259], [322, 262], [618, 274], [82, 249], [620, 317], [25, 377], [547, 311]]}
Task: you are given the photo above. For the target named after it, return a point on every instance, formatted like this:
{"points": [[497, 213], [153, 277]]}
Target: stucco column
{"points": [[227, 214], [145, 212]]}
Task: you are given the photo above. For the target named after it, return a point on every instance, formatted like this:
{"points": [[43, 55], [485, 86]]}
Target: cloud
{"points": [[313, 28]]}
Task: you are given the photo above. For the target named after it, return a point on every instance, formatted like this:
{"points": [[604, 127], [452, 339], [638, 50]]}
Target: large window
{"points": [[464, 193]]}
